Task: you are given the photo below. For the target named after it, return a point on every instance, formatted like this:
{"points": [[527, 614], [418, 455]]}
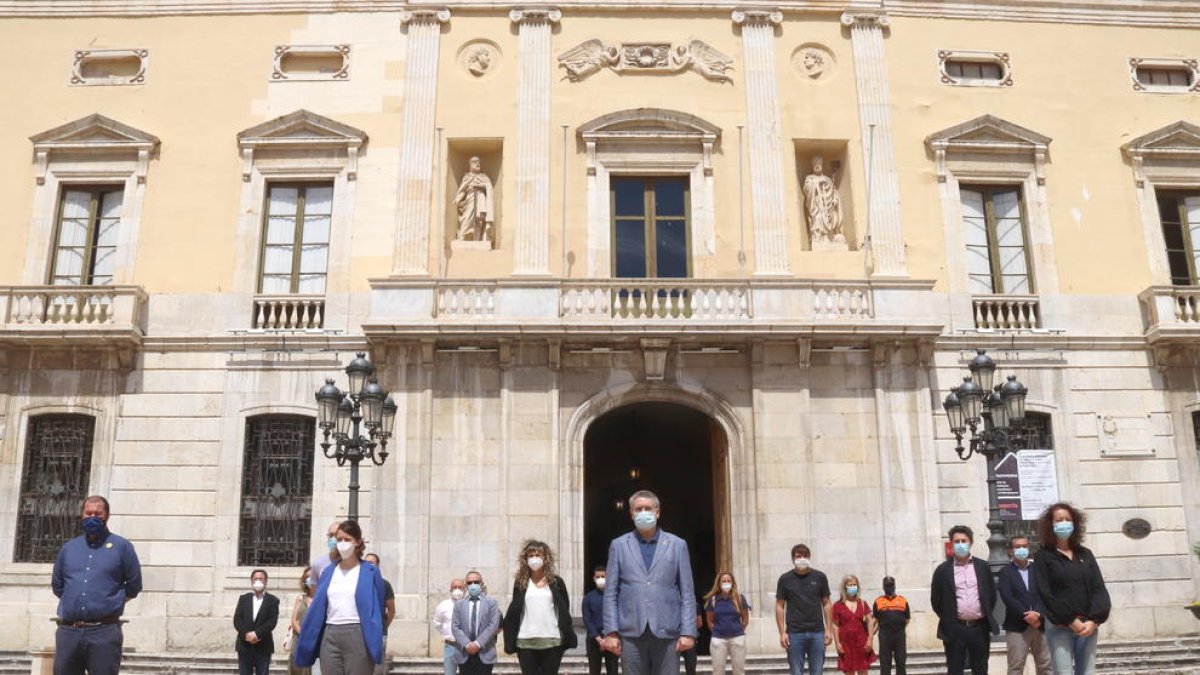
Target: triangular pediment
{"points": [[988, 132], [94, 131], [302, 128], [1179, 138], [644, 122]]}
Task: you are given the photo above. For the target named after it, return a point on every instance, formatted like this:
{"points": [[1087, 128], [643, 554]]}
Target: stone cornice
{"points": [[1158, 13]]}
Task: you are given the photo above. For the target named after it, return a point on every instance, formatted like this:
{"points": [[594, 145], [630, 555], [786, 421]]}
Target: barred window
{"points": [[54, 482], [277, 486], [1040, 437]]}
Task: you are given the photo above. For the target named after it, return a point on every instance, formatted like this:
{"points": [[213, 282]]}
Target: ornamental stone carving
{"points": [[824, 207], [479, 57], [592, 56], [813, 61]]}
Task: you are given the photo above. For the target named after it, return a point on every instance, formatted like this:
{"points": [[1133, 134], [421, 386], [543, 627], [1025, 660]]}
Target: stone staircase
{"points": [[1171, 656]]}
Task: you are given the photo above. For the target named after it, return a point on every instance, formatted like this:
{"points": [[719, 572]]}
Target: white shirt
{"points": [[443, 616], [539, 620], [342, 608], [256, 603], [1024, 572]]}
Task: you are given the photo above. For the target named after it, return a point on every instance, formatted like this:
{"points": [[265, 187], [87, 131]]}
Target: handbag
{"points": [[289, 638]]}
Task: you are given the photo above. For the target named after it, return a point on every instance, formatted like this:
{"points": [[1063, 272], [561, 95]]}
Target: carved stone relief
{"points": [[479, 58], [592, 56], [813, 61]]}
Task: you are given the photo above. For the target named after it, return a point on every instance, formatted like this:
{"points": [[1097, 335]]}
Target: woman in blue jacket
{"points": [[344, 623]]}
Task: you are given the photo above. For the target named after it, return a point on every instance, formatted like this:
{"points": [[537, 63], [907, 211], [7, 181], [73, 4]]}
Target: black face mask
{"points": [[889, 589]]}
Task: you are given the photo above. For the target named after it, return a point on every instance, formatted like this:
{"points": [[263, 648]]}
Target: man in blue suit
{"points": [[649, 601], [475, 623], [1024, 614]]}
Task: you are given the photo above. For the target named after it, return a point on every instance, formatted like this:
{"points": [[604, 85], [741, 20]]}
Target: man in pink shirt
{"points": [[963, 595]]}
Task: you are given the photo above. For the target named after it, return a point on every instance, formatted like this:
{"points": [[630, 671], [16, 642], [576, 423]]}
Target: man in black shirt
{"points": [[802, 614]]}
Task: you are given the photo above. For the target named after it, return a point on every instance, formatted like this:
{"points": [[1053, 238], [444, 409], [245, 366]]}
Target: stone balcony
{"points": [[98, 316], [1171, 313], [783, 308]]}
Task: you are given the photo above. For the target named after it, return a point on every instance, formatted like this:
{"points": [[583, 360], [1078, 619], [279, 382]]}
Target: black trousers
{"points": [[967, 644], [893, 644], [474, 666], [253, 662], [595, 655], [96, 649], [539, 661]]}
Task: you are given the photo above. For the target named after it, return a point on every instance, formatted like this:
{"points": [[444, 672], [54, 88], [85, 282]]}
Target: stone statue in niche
{"points": [[824, 206], [476, 219]]}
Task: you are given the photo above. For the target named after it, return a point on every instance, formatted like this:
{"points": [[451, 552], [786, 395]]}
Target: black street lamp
{"points": [[341, 415], [995, 416]]}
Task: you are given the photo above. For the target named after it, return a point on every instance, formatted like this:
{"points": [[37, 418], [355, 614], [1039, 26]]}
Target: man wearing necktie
{"points": [[475, 623]]}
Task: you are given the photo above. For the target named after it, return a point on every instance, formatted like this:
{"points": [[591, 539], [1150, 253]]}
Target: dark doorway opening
{"points": [[675, 451]]}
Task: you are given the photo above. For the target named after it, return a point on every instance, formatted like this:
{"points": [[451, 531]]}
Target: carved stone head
{"points": [[814, 63]]}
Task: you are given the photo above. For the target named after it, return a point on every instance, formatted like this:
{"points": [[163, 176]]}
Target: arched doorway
{"points": [[676, 451]]}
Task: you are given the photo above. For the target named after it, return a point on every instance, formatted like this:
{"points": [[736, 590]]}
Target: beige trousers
{"points": [[735, 648], [1022, 645]]}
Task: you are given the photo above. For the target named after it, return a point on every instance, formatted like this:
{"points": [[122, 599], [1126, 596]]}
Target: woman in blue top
{"points": [[728, 614], [344, 623]]}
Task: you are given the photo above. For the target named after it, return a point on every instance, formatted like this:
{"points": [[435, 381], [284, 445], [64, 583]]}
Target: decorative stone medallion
{"points": [[479, 58], [813, 62]]}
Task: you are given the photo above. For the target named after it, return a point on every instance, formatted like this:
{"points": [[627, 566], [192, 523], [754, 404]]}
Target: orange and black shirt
{"points": [[891, 611]]}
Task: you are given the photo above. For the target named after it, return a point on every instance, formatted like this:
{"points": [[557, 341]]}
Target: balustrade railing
{"points": [[842, 301], [655, 299], [288, 312], [1007, 312], [466, 301]]}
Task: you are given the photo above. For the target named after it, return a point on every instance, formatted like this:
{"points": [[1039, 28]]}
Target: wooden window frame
{"points": [[650, 220], [297, 230], [1179, 196], [989, 218], [87, 270]]}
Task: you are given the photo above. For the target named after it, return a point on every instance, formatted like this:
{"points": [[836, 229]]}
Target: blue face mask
{"points": [[962, 549], [1021, 553], [644, 520], [1063, 529], [332, 543], [93, 525], [474, 590], [852, 591]]}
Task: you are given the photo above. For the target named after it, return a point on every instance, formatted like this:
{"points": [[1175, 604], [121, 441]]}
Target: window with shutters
{"points": [[997, 255], [295, 241], [89, 219], [1179, 213]]}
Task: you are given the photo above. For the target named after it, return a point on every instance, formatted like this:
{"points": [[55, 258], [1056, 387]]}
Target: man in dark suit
{"points": [[1023, 611], [962, 595], [255, 618]]}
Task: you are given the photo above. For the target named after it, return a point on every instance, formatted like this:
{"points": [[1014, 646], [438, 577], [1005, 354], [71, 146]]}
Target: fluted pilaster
{"points": [[870, 74], [531, 253], [763, 121], [417, 140]]}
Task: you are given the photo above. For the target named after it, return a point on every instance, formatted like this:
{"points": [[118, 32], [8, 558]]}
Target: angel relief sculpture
{"points": [[592, 56]]}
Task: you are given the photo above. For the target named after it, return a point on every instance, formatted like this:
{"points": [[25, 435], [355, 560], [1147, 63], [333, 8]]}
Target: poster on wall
{"points": [[1026, 483]]}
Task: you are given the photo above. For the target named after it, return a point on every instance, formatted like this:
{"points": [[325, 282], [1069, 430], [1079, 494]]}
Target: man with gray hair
{"points": [[649, 600]]}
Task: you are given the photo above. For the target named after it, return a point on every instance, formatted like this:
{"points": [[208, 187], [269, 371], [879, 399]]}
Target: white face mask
{"points": [[457, 594], [600, 581], [535, 563], [801, 563], [258, 586], [345, 548], [726, 587]]}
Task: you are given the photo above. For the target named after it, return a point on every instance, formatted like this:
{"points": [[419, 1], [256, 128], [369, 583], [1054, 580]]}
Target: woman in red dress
{"points": [[855, 628]]}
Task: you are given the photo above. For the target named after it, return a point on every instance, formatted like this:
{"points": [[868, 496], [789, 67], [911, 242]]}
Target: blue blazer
{"points": [[661, 597], [1018, 599], [487, 614], [368, 597]]}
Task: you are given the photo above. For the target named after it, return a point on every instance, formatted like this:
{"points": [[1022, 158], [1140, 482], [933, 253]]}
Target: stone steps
{"points": [[1173, 656]]}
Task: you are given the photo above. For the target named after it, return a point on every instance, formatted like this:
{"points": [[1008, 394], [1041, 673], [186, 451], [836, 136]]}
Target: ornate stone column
{"points": [[763, 122], [875, 119], [417, 140], [531, 254]]}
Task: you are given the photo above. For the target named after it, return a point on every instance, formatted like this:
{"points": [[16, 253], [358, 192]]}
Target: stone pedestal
{"points": [[463, 245]]}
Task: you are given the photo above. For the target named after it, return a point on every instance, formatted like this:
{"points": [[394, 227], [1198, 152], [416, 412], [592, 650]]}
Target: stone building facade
{"points": [[213, 205]]}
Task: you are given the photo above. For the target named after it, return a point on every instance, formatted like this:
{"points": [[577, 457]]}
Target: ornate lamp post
{"points": [[342, 415], [995, 417]]}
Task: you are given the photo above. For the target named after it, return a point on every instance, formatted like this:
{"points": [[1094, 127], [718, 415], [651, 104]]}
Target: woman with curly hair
{"points": [[1071, 588], [537, 625]]}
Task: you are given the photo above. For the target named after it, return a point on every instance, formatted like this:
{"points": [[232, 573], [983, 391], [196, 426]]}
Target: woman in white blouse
{"points": [[537, 625], [344, 623]]}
